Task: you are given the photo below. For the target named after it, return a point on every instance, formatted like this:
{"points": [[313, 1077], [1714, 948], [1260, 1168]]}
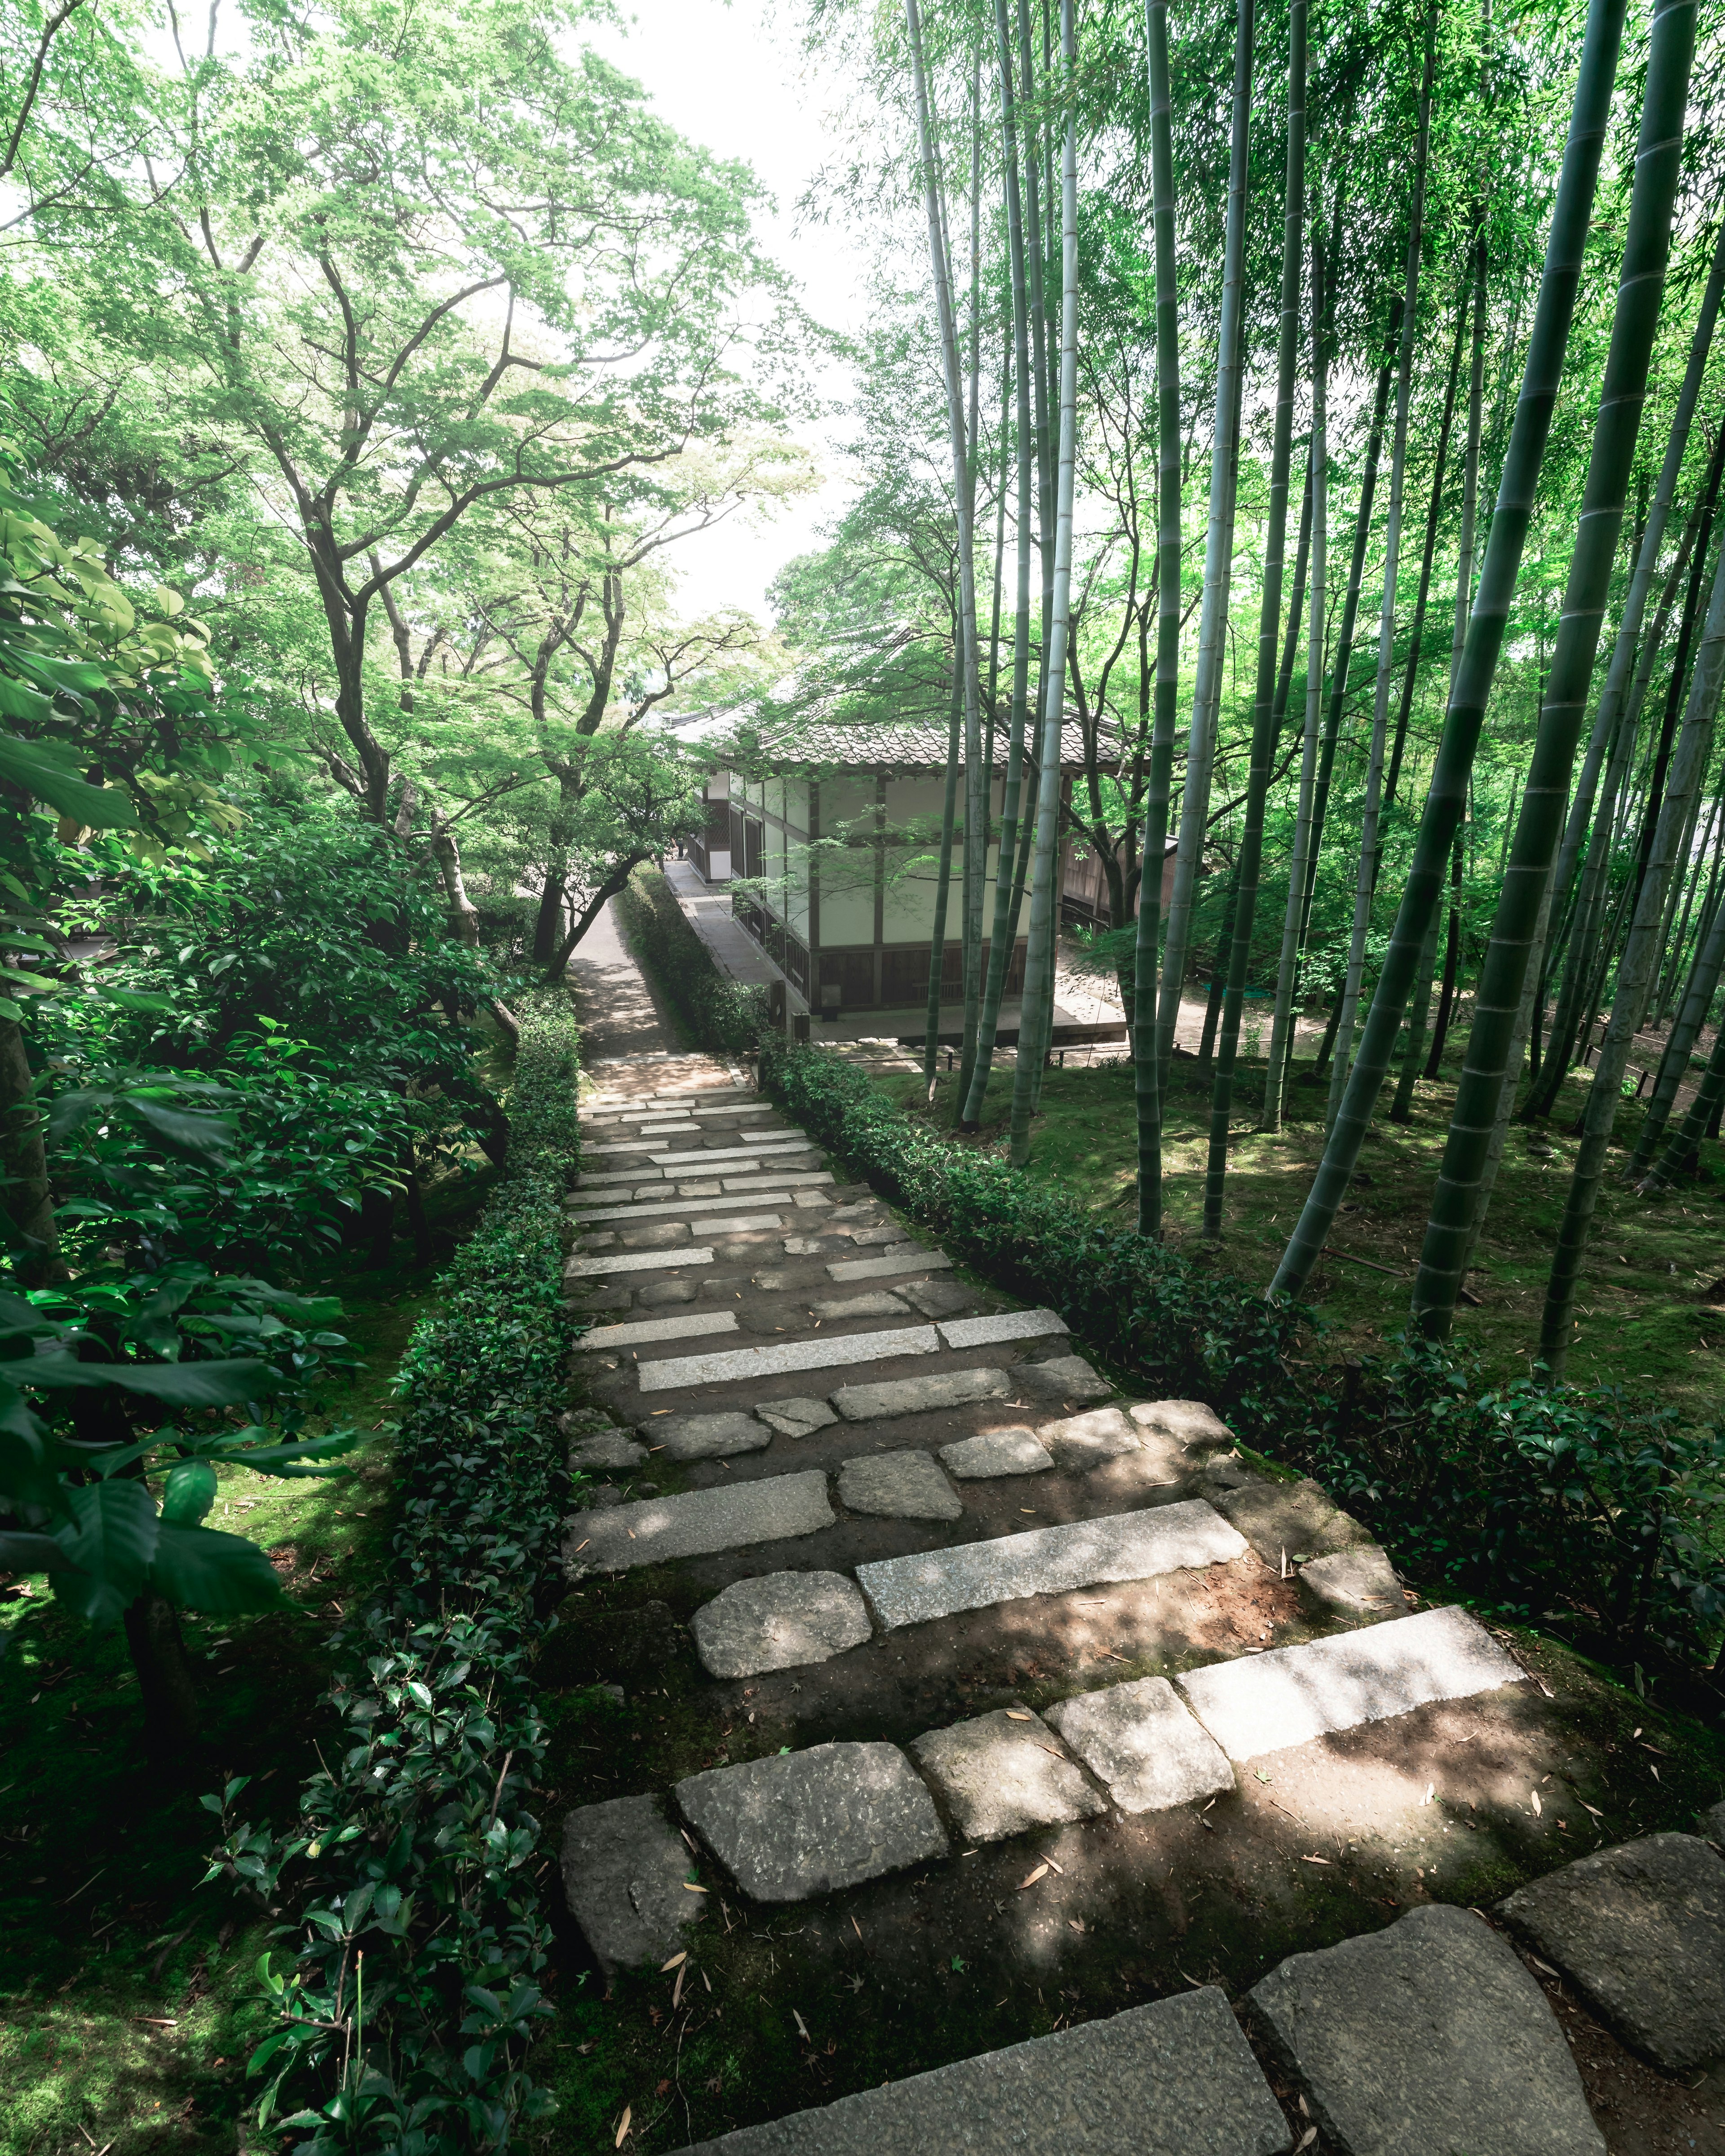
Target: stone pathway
{"points": [[895, 1493]]}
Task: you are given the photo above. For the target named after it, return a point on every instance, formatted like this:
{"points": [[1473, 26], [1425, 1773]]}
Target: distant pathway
{"points": [[619, 1013]]}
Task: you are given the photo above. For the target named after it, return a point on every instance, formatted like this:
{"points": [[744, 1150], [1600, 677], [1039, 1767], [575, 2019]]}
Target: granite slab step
{"points": [[1175, 2078], [833, 1351], [998, 1775], [681, 1208], [932, 1584], [1000, 1327], [1142, 1745], [814, 1822], [643, 1332], [623, 1867], [656, 1530], [635, 1261], [772, 1145], [904, 1258], [780, 1621], [1265, 1702], [939, 1389]]}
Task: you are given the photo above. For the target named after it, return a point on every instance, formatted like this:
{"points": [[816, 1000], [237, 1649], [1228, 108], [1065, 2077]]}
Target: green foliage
{"points": [[1534, 1495], [415, 1848], [723, 1017], [1177, 1327]]}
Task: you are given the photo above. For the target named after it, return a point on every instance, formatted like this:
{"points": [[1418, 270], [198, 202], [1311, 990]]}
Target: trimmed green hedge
{"points": [[1178, 1328], [721, 1016], [416, 1847]]}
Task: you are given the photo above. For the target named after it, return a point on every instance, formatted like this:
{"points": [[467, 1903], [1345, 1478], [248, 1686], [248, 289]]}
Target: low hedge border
{"points": [[1579, 1505], [412, 1987], [724, 1017]]}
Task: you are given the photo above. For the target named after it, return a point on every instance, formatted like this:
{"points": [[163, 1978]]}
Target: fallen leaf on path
{"points": [[1314, 1860], [1060, 1868], [675, 1962], [622, 2126], [689, 1887], [1041, 1872], [677, 1994], [1538, 1809], [1019, 1714], [802, 2029]]}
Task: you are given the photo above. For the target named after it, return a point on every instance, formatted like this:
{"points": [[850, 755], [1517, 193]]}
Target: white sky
{"points": [[733, 78]]}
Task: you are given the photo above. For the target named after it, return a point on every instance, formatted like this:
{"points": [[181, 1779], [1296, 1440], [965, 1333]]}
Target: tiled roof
{"points": [[901, 747]]}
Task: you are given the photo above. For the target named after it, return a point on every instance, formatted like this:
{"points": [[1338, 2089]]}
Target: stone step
{"points": [[919, 1589], [635, 1262], [646, 1331], [1174, 2078], [771, 1147], [656, 1530], [1266, 1702], [901, 1258], [832, 1351], [605, 1216]]}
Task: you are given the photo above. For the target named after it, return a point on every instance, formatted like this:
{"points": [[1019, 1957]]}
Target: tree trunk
{"points": [[1035, 1019], [1194, 802], [1452, 967], [158, 1654], [1702, 1120], [1639, 959], [1499, 1031], [27, 1195], [1542, 376], [1235, 955], [464, 915], [1674, 1063], [1146, 1075]]}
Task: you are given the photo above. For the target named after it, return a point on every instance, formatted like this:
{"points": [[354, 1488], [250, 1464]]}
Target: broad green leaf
{"points": [[175, 1384], [191, 1491], [28, 1553], [23, 764], [111, 1537], [203, 1569]]}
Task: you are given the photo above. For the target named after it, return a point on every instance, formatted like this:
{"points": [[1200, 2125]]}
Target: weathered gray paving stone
{"points": [[833, 1351], [910, 1590], [771, 1283], [1640, 1931], [713, 1190], [1065, 1378], [646, 1331], [585, 1268], [938, 1298], [809, 1246], [591, 1301], [624, 1866], [996, 1452], [811, 1201], [863, 1210], [657, 1293], [889, 1231], [796, 1417], [1087, 1439], [811, 1822], [1141, 1743], [1176, 2078], [780, 1148], [783, 1620], [1264, 1702], [897, 1396], [607, 1242], [615, 1215], [657, 1529], [741, 1223], [1299, 1517], [999, 1775], [1001, 1326], [880, 1304], [1354, 1581], [608, 1448], [903, 1258], [611, 1178], [660, 1235], [706, 1436], [1427, 2039], [1190, 1422], [898, 1485]]}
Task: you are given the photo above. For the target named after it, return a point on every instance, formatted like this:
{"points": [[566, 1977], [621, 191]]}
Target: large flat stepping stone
{"points": [[911, 1590], [783, 1620], [1190, 1422], [880, 1304], [812, 1822], [1176, 2078], [656, 1530], [1300, 1518], [898, 1485], [798, 1417], [938, 1298], [1002, 1326], [906, 1258], [624, 1867], [643, 1332], [1087, 1439], [606, 1215], [1640, 1931], [833, 1351], [1354, 1581], [996, 1452], [706, 1156], [1142, 1745], [1265, 1702], [1427, 2039], [901, 1396], [607, 1448], [999, 1775], [1062, 1378], [706, 1436]]}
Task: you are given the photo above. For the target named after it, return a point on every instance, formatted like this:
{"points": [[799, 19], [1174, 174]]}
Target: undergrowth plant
{"points": [[408, 1982], [726, 1018]]}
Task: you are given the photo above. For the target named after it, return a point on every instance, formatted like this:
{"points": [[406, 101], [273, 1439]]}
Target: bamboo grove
{"points": [[1333, 434]]}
